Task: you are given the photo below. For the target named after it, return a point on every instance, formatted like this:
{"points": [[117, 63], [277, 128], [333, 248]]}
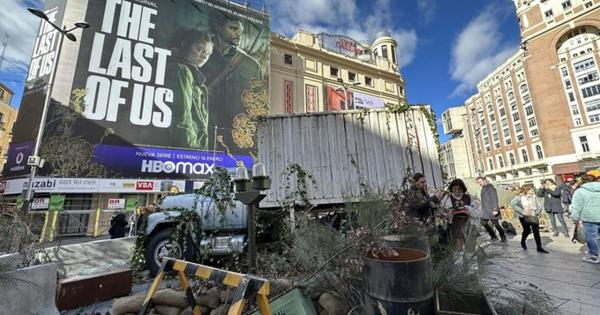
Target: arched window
{"points": [[524, 155], [539, 152], [500, 102], [500, 162], [491, 164], [512, 159], [524, 89], [511, 96]]}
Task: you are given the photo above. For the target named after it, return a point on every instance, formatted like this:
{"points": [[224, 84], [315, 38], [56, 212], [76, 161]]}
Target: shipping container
{"points": [[347, 151]]}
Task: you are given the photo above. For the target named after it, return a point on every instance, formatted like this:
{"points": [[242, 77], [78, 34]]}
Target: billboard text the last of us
{"points": [[160, 89]]}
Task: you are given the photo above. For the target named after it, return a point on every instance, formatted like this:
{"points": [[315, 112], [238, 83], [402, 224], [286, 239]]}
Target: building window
{"points": [[511, 96], [549, 14], [571, 97], [501, 162], [516, 116], [518, 127], [539, 152], [585, 64], [491, 164], [524, 89], [524, 156], [520, 137], [574, 110], [333, 71], [531, 122], [384, 51], [590, 77], [591, 91], [564, 71], [585, 146], [595, 118], [529, 110], [568, 84], [369, 81], [352, 76], [566, 5], [534, 132], [502, 112], [287, 59], [577, 121], [511, 157], [588, 4], [1, 117]]}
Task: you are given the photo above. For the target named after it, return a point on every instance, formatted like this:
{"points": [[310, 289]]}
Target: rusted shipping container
{"points": [[346, 150]]}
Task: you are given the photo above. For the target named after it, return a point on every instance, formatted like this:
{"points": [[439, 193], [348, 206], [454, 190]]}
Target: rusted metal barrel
{"points": [[399, 283]]}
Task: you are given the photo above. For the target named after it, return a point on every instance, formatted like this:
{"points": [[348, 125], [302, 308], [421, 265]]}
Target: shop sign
{"points": [[116, 203], [40, 203]]}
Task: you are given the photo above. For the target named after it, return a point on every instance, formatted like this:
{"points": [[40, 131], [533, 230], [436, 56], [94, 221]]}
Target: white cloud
{"points": [[478, 50], [343, 17], [18, 29], [427, 9]]}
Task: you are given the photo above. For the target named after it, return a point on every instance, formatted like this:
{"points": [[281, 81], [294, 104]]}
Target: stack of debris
{"points": [[172, 302]]}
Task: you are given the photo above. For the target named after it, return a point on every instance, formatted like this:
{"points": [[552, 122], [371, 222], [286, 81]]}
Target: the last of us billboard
{"points": [[162, 89]]}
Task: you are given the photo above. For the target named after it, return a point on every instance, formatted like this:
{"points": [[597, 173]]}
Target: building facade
{"points": [[8, 115], [318, 72], [456, 157], [537, 115]]}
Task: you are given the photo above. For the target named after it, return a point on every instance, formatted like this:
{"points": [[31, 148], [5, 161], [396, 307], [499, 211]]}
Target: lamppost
{"points": [[250, 192], [34, 160], [345, 88]]}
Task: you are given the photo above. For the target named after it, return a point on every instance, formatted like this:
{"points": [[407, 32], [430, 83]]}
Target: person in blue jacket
{"points": [[585, 207]]}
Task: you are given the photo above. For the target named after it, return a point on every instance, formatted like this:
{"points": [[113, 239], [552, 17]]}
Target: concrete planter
{"points": [[32, 291]]}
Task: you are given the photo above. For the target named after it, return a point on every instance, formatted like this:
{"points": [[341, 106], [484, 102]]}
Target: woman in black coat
{"points": [[553, 205], [117, 226]]}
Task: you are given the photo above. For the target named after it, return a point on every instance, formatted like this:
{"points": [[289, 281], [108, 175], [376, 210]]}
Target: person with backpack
{"points": [[528, 209], [553, 205], [586, 207]]}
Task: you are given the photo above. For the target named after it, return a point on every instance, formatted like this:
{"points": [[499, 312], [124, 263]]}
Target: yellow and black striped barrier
{"points": [[247, 286]]}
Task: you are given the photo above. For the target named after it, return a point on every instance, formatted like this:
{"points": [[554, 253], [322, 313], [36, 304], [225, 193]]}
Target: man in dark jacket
{"points": [[117, 226], [417, 201], [553, 205], [490, 210]]}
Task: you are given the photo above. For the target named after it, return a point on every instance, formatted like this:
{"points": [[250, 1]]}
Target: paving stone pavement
{"points": [[572, 284]]}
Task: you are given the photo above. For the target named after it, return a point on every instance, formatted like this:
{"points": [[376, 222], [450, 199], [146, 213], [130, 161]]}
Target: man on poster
{"points": [[228, 71]]}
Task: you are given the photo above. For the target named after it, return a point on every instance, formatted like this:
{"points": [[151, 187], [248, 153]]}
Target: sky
{"points": [[445, 47]]}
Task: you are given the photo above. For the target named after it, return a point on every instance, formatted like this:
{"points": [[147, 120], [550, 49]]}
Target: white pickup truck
{"points": [[227, 230]]}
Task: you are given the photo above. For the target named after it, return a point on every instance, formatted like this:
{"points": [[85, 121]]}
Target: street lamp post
{"points": [[345, 87], [250, 192], [34, 160]]}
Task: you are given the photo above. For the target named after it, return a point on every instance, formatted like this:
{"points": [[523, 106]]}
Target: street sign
{"points": [[33, 160], [116, 203], [40, 203]]}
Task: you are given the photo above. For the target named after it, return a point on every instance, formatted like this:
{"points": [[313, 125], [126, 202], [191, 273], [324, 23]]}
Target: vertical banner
{"points": [[289, 96], [25, 129], [57, 203], [131, 205], [311, 98], [161, 89]]}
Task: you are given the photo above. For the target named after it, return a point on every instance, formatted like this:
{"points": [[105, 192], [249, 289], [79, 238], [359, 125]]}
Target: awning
{"points": [[565, 168]]}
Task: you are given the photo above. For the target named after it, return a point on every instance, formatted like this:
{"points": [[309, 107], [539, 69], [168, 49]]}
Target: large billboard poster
{"points": [[162, 89], [43, 58]]}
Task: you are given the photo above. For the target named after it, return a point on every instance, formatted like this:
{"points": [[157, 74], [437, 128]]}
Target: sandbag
{"points": [[210, 301], [170, 297], [167, 309], [127, 304]]}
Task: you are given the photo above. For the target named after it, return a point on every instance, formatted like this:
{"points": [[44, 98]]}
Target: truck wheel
{"points": [[160, 245]]}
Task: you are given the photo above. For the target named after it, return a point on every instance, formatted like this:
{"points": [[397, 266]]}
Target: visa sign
{"points": [[144, 185]]}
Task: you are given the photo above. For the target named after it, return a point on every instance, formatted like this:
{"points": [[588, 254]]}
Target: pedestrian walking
{"points": [[553, 205], [566, 194], [527, 208], [586, 207], [490, 210], [460, 208], [117, 226]]}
